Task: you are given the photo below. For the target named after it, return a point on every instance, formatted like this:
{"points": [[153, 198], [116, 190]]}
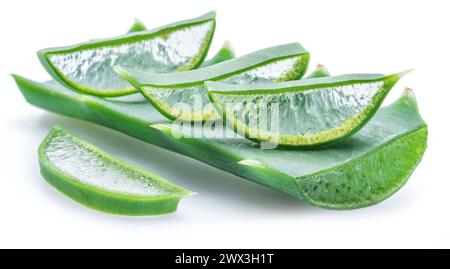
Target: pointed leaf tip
{"points": [[401, 74], [227, 44], [409, 92]]}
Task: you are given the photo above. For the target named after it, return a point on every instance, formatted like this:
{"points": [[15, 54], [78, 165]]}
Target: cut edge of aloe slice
{"points": [[102, 198], [320, 138], [194, 62], [372, 177], [223, 70]]}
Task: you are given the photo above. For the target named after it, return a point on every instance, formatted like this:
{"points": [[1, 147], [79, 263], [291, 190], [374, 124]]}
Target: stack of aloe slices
{"points": [[331, 144]]}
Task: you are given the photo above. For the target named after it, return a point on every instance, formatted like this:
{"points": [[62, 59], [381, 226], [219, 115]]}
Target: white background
{"points": [[229, 212]]}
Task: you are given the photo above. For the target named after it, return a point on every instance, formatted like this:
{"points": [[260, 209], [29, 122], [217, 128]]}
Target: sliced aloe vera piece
{"points": [[182, 95], [304, 113], [375, 162], [138, 26], [87, 67], [96, 179]]}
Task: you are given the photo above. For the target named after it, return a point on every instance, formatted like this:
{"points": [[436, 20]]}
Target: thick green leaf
{"points": [[360, 171]]}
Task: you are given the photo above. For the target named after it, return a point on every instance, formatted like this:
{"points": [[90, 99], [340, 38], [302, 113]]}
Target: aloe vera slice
{"points": [[87, 67], [167, 91], [96, 179], [304, 113], [374, 163]]}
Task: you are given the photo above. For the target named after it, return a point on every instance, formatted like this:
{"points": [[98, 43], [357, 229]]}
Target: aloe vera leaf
{"points": [[225, 53], [375, 162], [320, 72], [308, 113], [87, 67], [100, 181], [166, 91], [138, 26]]}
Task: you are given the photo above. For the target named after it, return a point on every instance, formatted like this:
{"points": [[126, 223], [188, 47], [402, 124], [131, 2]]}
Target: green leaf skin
{"points": [[152, 194], [316, 112], [359, 161], [225, 53], [101, 55], [165, 91]]}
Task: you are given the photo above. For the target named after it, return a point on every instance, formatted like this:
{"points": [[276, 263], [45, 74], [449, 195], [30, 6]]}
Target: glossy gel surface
{"points": [[91, 167]]}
